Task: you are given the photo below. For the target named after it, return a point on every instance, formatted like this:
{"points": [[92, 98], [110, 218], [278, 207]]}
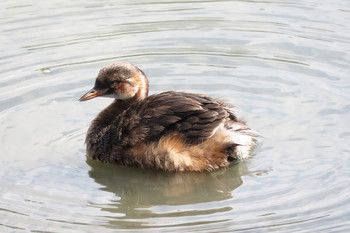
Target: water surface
{"points": [[283, 64]]}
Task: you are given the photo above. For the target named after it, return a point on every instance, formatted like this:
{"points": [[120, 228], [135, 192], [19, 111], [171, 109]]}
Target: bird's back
{"points": [[174, 131]]}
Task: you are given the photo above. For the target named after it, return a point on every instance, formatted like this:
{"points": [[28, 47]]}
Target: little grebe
{"points": [[171, 131]]}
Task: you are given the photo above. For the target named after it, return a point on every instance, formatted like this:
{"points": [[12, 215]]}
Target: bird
{"points": [[171, 131]]}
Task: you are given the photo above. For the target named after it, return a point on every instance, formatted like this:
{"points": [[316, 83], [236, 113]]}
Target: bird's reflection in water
{"points": [[139, 188]]}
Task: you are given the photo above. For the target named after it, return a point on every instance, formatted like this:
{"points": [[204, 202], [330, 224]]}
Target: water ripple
{"points": [[283, 64]]}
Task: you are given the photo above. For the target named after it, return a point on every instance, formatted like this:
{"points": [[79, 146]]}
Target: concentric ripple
{"points": [[282, 64]]}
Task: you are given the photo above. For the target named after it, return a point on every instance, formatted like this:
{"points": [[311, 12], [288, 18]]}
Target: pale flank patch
{"points": [[240, 134]]}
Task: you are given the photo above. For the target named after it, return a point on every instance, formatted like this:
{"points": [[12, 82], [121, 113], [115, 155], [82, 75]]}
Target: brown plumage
{"points": [[171, 131]]}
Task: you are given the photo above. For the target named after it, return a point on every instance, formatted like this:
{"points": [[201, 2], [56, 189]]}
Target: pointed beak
{"points": [[92, 94]]}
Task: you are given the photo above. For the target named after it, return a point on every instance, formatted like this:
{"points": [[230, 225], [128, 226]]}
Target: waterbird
{"points": [[170, 131]]}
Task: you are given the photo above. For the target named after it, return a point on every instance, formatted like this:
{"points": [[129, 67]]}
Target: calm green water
{"points": [[283, 63]]}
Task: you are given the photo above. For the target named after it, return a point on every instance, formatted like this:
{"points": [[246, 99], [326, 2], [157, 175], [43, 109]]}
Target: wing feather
{"points": [[194, 116]]}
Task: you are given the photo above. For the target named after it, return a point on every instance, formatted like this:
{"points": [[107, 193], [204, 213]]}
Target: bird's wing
{"points": [[192, 115]]}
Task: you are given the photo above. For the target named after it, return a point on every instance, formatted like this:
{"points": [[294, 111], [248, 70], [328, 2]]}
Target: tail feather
{"points": [[242, 137]]}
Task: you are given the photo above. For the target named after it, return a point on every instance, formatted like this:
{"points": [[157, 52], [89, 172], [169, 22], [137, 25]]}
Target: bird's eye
{"points": [[115, 82]]}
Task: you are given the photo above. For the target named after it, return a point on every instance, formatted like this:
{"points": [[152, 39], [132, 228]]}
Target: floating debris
{"points": [[45, 70]]}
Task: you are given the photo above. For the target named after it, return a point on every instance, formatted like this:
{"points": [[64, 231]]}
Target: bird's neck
{"points": [[143, 87], [111, 112], [117, 107]]}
